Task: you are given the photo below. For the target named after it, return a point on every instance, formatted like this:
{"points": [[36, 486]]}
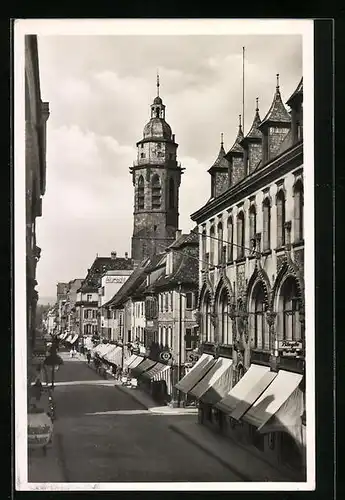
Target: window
{"points": [[164, 340], [129, 333], [166, 301], [266, 226], [188, 338], [252, 222], [225, 324], [206, 319], [142, 308], [85, 313], [212, 236], [289, 326], [141, 194], [240, 235], [298, 211], [94, 314], [171, 301], [89, 297], [230, 240], [220, 243], [203, 249], [189, 300], [142, 155], [259, 332], [156, 192], [280, 219], [171, 193]]}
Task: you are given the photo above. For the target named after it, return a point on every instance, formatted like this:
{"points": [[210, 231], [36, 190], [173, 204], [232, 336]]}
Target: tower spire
{"points": [[257, 104], [221, 139], [240, 122], [277, 81], [158, 83]]}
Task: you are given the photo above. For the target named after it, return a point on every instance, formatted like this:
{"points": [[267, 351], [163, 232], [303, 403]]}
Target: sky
{"points": [[99, 90]]}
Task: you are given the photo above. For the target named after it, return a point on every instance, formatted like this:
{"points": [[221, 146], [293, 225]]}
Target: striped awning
{"points": [[198, 371], [143, 366], [74, 338], [134, 361], [152, 372], [114, 355]]}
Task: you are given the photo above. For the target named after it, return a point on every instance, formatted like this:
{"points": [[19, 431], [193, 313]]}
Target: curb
{"points": [[130, 394], [211, 453]]}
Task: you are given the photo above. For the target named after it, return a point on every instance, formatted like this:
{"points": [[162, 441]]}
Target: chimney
{"points": [[126, 255], [178, 234], [113, 255]]}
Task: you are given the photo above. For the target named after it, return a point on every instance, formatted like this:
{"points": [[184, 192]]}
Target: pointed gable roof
{"points": [[254, 133], [221, 162], [298, 93], [277, 112], [237, 148]]}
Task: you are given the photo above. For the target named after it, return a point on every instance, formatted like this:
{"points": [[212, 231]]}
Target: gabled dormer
{"points": [[252, 144], [219, 172], [274, 127]]}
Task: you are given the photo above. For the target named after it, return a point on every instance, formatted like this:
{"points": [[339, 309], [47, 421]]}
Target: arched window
{"points": [[252, 222], [156, 192], [240, 235], [203, 249], [230, 239], [220, 243], [171, 193], [289, 326], [259, 334], [266, 224], [224, 320], [206, 319], [280, 219], [298, 211], [212, 240], [141, 195]]}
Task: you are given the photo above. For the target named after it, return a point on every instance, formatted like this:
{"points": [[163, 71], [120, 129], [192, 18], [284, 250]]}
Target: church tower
{"points": [[156, 177]]}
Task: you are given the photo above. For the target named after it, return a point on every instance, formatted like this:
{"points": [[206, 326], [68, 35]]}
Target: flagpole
{"points": [[243, 88]]}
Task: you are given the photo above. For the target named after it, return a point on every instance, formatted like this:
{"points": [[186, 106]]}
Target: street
{"points": [[104, 435]]}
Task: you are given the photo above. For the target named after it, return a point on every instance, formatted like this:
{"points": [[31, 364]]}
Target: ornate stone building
{"points": [[36, 115], [251, 283], [156, 177]]}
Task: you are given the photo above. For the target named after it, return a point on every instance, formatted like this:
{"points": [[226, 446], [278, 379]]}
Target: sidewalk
{"points": [[235, 457], [145, 400], [46, 468]]}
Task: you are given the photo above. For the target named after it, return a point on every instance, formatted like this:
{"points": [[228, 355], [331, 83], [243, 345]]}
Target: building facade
{"points": [[36, 116], [156, 177], [251, 283]]}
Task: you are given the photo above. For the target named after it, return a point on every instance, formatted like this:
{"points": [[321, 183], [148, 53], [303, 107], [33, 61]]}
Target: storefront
{"points": [[199, 370], [159, 377]]}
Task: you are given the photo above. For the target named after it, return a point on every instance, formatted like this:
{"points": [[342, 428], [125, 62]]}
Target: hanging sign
{"points": [[165, 355], [290, 347]]}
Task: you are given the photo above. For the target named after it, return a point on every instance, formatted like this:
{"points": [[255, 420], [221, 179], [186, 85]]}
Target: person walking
{"points": [[88, 355]]}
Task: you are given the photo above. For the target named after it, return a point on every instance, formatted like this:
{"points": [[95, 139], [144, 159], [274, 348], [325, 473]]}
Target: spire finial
{"points": [[240, 121], [221, 139], [277, 80], [257, 104], [157, 83]]}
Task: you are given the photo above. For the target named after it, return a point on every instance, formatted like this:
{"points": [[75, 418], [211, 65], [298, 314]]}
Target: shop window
{"points": [[240, 235], [298, 211], [188, 338], [280, 219], [266, 229]]}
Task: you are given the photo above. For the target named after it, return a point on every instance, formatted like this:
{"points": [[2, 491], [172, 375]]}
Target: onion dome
{"points": [[157, 100], [277, 112]]}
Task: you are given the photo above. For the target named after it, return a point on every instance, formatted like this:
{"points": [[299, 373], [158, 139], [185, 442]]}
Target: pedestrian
{"points": [[71, 353], [88, 355]]}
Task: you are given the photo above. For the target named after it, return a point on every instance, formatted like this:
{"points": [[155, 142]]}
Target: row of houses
{"points": [[224, 305]]}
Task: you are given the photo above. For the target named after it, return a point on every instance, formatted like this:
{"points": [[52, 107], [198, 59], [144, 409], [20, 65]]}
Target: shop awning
{"points": [[273, 398], [142, 367], [158, 367], [246, 391], [201, 367], [136, 362], [68, 338], [74, 338], [216, 383], [114, 355], [130, 360]]}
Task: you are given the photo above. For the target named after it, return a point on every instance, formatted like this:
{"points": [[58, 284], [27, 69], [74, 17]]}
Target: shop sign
{"points": [[192, 357], [290, 347], [165, 356], [116, 279]]}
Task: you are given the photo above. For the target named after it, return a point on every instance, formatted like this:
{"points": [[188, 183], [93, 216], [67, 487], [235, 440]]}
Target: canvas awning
{"points": [[165, 375], [152, 372], [143, 366], [74, 338], [246, 391], [284, 385], [68, 338], [216, 383], [114, 355], [135, 361], [201, 367]]}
